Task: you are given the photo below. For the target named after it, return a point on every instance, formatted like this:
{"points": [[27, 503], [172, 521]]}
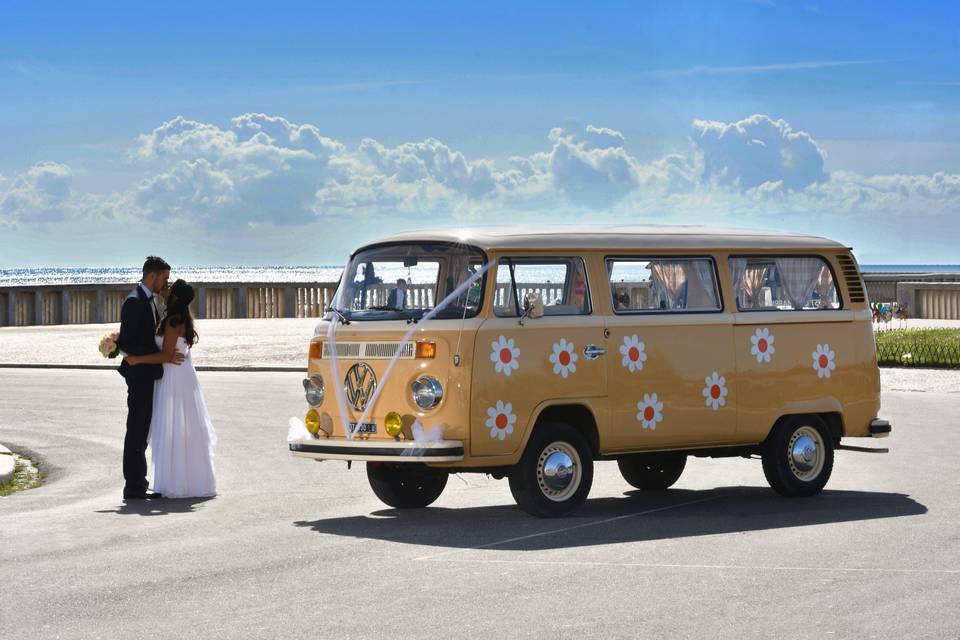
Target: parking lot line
{"points": [[654, 565], [594, 523]]}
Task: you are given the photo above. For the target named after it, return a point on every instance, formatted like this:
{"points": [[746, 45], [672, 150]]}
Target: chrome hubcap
{"points": [[805, 453], [558, 471]]}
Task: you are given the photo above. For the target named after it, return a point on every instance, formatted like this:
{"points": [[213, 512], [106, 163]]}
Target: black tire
{"points": [[536, 490], [407, 485], [797, 475], [652, 471]]}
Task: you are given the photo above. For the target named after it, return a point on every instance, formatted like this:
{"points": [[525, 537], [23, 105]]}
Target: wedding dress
{"points": [[181, 434]]}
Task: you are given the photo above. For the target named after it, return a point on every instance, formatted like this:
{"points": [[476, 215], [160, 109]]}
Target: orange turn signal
{"points": [[427, 350], [315, 350]]}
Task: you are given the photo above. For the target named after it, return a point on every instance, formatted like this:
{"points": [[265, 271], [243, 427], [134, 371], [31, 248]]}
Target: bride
{"points": [[181, 434]]}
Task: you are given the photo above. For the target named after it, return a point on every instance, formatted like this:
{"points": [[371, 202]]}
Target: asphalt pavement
{"points": [[292, 548]]}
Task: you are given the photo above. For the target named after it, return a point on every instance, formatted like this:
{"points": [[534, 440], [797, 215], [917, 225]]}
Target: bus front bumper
{"points": [[378, 450]]}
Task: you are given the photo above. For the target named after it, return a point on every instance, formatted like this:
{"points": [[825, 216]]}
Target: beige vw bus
{"points": [[531, 353]]}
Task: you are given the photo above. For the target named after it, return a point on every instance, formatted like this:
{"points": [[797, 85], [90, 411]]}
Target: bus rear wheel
{"points": [[406, 486], [798, 456]]}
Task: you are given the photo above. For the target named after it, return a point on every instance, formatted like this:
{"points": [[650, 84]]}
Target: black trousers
{"points": [[139, 414]]}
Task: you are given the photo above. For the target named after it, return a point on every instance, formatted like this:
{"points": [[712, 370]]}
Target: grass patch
{"points": [[26, 475], [919, 348]]}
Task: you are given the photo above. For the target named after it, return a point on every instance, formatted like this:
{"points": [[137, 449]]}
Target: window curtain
{"points": [[738, 267], [702, 295], [748, 280], [799, 277], [825, 287], [670, 277], [753, 279]]}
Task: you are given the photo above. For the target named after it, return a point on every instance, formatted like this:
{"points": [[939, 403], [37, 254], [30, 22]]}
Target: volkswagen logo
{"points": [[360, 383]]}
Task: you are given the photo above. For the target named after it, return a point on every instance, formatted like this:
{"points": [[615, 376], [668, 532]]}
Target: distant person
{"points": [[398, 296], [181, 434], [139, 319], [369, 278]]}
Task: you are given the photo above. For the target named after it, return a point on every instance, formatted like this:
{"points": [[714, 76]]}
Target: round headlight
{"points": [[313, 390], [427, 392]]}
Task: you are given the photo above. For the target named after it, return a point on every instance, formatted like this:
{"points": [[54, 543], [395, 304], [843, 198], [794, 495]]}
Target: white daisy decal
{"points": [[563, 358], [649, 411], [761, 345], [633, 352], [824, 361], [505, 356], [500, 420], [715, 390]]}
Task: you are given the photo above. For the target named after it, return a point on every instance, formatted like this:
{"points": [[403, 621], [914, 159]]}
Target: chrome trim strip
{"points": [[378, 450]]}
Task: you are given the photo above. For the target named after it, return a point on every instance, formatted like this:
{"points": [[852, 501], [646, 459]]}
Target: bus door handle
{"points": [[592, 352]]}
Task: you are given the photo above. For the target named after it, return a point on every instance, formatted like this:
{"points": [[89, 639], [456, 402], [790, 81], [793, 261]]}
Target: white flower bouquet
{"points": [[109, 345]]}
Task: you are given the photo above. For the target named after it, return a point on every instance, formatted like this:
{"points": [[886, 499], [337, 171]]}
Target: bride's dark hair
{"points": [[178, 310]]}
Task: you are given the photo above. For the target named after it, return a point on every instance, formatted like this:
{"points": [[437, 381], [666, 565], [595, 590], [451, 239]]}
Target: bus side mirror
{"points": [[532, 306]]}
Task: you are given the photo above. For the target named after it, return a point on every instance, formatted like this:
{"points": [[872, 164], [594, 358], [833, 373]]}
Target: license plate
{"points": [[363, 427]]}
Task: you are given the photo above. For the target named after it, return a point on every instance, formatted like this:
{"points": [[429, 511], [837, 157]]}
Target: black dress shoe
{"points": [[153, 495]]}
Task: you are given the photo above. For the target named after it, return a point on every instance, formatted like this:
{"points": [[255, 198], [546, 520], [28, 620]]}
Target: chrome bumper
{"points": [[880, 428], [378, 450]]}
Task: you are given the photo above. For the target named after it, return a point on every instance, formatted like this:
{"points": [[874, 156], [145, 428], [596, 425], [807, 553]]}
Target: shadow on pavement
{"points": [[156, 507], [617, 520]]}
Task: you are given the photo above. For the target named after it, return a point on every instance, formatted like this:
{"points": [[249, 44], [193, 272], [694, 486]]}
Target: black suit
{"points": [[138, 326], [397, 298]]}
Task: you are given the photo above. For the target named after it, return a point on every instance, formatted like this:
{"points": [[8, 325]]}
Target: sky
{"points": [[290, 133]]}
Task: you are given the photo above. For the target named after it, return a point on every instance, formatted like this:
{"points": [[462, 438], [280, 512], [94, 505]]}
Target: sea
{"points": [[330, 273]]}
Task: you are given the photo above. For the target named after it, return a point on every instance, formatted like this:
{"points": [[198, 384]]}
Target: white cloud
{"points": [[755, 150], [265, 169], [431, 159], [36, 196], [592, 168], [262, 169]]}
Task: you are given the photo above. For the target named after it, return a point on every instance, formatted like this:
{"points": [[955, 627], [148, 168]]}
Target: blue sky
{"points": [[835, 118]]}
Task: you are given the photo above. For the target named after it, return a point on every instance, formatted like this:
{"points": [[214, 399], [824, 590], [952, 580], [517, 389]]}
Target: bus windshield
{"points": [[406, 281]]}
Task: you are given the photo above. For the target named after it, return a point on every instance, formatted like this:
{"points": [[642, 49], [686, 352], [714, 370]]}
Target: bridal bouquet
{"points": [[109, 347]]}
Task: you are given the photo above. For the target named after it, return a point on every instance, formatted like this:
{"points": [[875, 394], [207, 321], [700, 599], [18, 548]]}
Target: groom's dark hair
{"points": [[154, 264]]}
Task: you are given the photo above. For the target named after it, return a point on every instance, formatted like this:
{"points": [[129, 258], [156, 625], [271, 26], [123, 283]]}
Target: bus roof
{"points": [[617, 237]]}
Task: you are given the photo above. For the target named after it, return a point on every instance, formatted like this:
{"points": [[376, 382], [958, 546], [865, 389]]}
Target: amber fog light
{"points": [[393, 424], [312, 420]]}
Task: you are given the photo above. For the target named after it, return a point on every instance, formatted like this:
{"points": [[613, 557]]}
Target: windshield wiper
{"points": [[340, 314]]}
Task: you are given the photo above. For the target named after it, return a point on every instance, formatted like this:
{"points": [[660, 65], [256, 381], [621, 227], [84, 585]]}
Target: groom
{"points": [[139, 319]]}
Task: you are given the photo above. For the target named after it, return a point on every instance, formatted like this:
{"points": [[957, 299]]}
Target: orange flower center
{"points": [[762, 345], [564, 358], [649, 414], [715, 391], [505, 355], [824, 361], [501, 421], [633, 354]]}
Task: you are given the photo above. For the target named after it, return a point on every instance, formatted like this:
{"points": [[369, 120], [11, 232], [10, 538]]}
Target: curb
{"points": [[110, 367], [7, 464]]}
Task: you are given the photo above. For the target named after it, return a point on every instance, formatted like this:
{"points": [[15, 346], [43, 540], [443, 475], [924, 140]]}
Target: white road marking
{"points": [[652, 565], [570, 528]]}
